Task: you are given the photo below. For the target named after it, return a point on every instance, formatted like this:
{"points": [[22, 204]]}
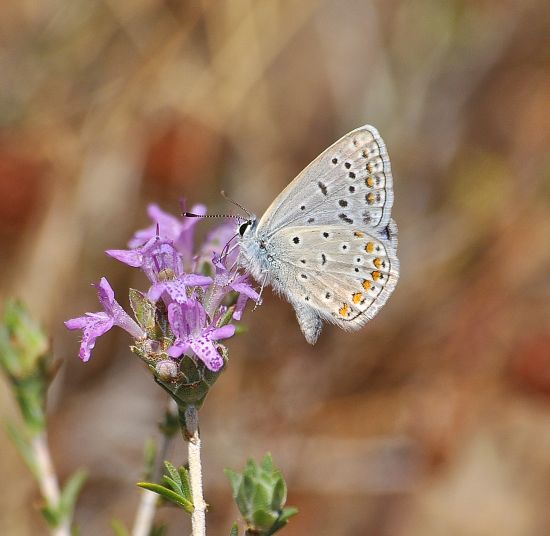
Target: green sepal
{"points": [[168, 494], [145, 312], [226, 318], [234, 530]]}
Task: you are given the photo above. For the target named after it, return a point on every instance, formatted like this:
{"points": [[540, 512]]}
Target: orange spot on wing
{"points": [[358, 234], [376, 275], [367, 285], [357, 297], [369, 248], [377, 262], [344, 310], [370, 182], [370, 198]]}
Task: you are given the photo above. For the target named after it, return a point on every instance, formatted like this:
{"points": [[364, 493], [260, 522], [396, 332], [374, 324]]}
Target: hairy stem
{"points": [[191, 434], [47, 480]]}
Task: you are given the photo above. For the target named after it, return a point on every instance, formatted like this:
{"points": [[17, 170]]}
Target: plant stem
{"points": [[145, 515], [47, 480], [198, 518]]}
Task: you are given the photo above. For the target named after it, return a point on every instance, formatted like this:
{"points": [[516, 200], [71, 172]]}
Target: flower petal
{"points": [[131, 257], [176, 320], [222, 333], [106, 295], [178, 348], [93, 325], [207, 353], [196, 280], [246, 289]]}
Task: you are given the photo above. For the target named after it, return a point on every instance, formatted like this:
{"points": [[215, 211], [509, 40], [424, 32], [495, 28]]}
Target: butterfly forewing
{"points": [[349, 184], [346, 275]]}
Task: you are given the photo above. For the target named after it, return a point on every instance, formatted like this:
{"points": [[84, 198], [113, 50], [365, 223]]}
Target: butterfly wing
{"points": [[334, 273], [350, 184]]}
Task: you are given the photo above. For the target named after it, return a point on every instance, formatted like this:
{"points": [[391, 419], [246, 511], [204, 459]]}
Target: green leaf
{"points": [[261, 498], [287, 513], [70, 493], [245, 496], [172, 483], [185, 483], [267, 463], [118, 528], [23, 446], [173, 473], [234, 530], [263, 519], [169, 495], [235, 480], [279, 494], [51, 515]]}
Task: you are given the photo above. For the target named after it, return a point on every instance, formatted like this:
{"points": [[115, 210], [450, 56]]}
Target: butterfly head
{"points": [[247, 226]]}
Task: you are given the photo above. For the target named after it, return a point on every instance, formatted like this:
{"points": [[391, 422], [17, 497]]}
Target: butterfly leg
{"points": [[259, 300], [309, 320]]}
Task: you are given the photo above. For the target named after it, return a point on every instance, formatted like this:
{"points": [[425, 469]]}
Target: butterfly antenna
{"points": [[186, 214], [224, 195]]}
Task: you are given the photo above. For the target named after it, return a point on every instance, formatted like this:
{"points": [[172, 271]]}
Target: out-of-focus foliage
{"points": [[436, 413]]}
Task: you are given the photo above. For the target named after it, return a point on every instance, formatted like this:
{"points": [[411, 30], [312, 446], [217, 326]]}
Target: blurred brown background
{"points": [[435, 418]]}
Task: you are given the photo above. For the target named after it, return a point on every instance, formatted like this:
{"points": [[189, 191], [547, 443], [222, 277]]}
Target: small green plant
{"points": [[260, 493]]}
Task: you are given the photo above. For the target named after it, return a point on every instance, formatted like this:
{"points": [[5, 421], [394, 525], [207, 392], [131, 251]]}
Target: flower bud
{"points": [[166, 370]]}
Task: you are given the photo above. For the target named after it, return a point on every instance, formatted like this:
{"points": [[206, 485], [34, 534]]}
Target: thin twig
{"points": [[47, 480], [198, 518]]}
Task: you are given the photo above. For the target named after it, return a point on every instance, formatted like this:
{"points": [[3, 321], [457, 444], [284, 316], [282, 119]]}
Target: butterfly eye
{"points": [[243, 227]]}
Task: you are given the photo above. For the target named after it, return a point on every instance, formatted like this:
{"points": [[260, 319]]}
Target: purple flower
{"points": [[189, 322], [217, 239], [93, 325], [179, 231], [163, 266], [227, 280]]}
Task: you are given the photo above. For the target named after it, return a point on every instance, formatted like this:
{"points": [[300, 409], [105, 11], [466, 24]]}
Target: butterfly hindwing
{"points": [[348, 184], [344, 276]]}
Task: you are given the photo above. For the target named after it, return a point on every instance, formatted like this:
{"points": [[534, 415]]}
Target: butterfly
{"points": [[328, 243]]}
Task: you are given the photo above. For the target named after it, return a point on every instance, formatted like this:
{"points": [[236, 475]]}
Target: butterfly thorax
{"points": [[255, 255]]}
